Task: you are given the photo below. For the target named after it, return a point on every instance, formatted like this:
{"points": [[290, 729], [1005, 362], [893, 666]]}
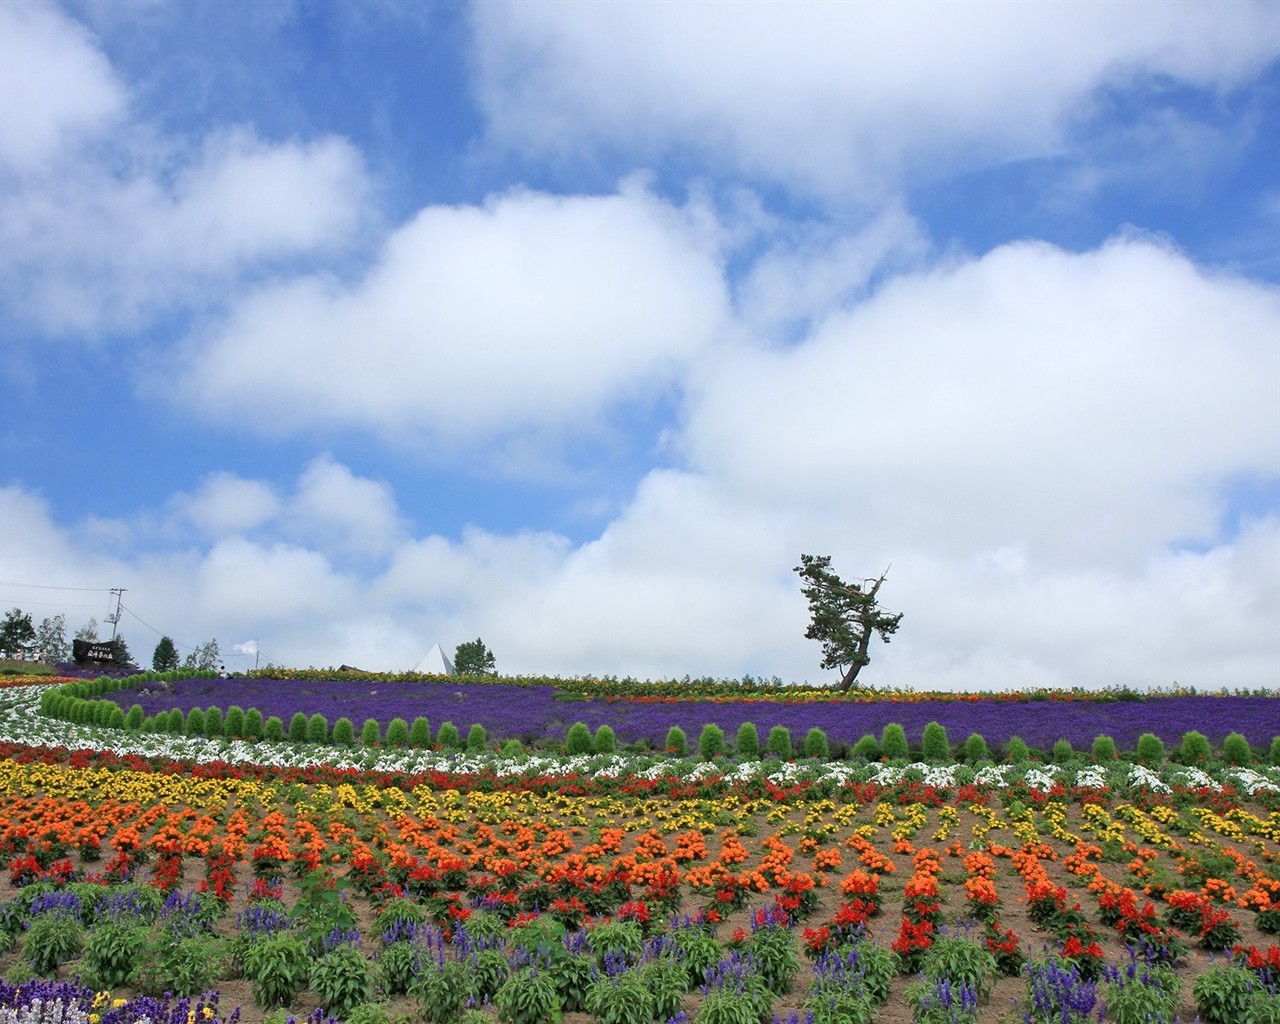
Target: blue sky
{"points": [[352, 328]]}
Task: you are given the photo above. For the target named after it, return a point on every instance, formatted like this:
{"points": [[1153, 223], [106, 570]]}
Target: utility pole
{"points": [[256, 652], [115, 618]]}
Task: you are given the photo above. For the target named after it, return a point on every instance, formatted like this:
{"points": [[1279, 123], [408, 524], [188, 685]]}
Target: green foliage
{"points": [[1194, 748], [843, 617], [893, 742], [52, 939], [1150, 749], [1104, 748], [747, 742], [1223, 994], [344, 732], [621, 999], [528, 996], [710, 741], [447, 737], [975, 749], [1016, 751], [745, 1002], [17, 633], [397, 733], [298, 727], [774, 950], [816, 745], [342, 979], [443, 990], [477, 738], [935, 1001], [960, 960], [935, 746], [165, 657], [779, 742], [253, 724], [371, 733], [369, 1013], [867, 748], [488, 969], [698, 949], [399, 967], [195, 722], [184, 966], [1273, 755], [1236, 749], [617, 940], [233, 723], [1151, 995], [175, 723], [112, 950], [676, 742], [317, 729], [1062, 752], [213, 722], [664, 980], [572, 976], [473, 658], [604, 741], [514, 748], [133, 720], [278, 967]]}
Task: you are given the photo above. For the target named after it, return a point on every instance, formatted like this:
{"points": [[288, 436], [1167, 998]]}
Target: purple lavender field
{"points": [[532, 714]]}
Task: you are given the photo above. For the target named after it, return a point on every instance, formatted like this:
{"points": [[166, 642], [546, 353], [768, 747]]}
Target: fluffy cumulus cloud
{"points": [[1088, 406], [531, 311], [105, 224], [839, 98], [56, 89]]}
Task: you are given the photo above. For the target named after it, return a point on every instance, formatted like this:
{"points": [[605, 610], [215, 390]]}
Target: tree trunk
{"points": [[850, 676]]}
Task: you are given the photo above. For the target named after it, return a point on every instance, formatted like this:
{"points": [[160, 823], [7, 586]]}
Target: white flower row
{"points": [[21, 722]]}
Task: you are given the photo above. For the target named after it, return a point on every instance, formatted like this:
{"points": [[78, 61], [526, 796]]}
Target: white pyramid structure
{"points": [[435, 663]]}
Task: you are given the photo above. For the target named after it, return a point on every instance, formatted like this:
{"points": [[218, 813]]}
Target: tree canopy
{"points": [[473, 658], [165, 656], [17, 634], [843, 616]]}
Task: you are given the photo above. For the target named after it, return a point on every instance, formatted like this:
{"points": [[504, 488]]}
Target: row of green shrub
{"points": [[83, 702]]}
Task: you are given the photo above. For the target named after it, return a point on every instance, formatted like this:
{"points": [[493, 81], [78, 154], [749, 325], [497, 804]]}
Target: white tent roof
{"points": [[436, 662]]}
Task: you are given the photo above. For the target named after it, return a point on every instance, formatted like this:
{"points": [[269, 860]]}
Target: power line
{"points": [[48, 586], [157, 632]]}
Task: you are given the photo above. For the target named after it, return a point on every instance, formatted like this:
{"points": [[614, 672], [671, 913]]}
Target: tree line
{"points": [[21, 639]]}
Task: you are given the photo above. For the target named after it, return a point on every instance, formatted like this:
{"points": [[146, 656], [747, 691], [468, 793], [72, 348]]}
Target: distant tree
{"points": [[17, 634], [205, 658], [473, 659], [843, 616], [51, 639], [122, 656], [165, 656], [89, 631]]}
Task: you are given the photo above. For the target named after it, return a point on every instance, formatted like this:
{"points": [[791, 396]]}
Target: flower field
{"points": [[174, 874]]}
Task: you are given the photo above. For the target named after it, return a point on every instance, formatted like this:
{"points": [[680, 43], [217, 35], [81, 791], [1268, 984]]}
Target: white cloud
{"points": [[530, 312], [839, 98], [56, 88], [1088, 406], [341, 511], [102, 231], [228, 504]]}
